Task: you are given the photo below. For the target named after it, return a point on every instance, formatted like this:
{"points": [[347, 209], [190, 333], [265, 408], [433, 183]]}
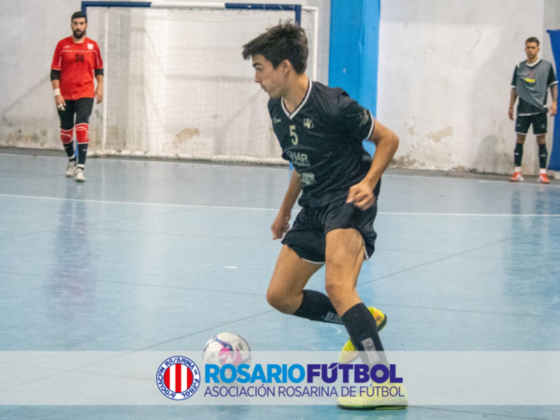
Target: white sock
{"points": [[543, 171], [517, 169]]}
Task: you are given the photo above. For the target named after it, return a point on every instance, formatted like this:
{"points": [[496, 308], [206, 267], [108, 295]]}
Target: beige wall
{"points": [[30, 31], [444, 79]]}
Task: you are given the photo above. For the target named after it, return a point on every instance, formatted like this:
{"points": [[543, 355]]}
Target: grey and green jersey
{"points": [[531, 81]]}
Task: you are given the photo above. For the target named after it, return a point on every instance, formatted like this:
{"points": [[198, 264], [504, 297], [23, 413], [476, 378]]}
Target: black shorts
{"points": [[539, 122], [307, 237], [81, 107]]}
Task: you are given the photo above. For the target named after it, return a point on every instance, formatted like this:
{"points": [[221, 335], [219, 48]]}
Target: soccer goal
{"points": [[176, 85]]}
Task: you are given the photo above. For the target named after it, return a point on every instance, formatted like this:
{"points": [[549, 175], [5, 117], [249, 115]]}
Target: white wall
{"points": [[444, 79], [30, 31], [445, 69]]}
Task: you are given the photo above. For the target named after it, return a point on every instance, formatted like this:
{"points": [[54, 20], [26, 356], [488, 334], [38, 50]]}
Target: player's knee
{"points": [[82, 133], [279, 301], [66, 135], [335, 291], [275, 299]]}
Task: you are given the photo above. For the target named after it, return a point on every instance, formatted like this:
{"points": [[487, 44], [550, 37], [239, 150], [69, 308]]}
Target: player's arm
{"points": [[98, 69], [512, 99], [99, 90], [554, 95], [55, 82], [386, 142], [513, 94], [280, 225], [55, 77]]}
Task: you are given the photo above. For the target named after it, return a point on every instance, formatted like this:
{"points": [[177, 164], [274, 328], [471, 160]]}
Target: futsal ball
{"points": [[226, 348]]}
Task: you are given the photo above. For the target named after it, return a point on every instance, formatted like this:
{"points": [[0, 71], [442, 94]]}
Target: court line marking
{"points": [[126, 353], [132, 203], [485, 414], [469, 214], [283, 167], [437, 260], [167, 161], [195, 206], [152, 285], [381, 304], [502, 181]]}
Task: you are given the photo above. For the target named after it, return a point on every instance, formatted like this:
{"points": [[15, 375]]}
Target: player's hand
{"points": [[280, 226], [60, 102], [553, 109], [361, 195], [510, 113], [99, 94]]}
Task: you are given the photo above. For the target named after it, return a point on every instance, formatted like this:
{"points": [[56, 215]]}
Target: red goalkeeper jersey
{"points": [[77, 63]]}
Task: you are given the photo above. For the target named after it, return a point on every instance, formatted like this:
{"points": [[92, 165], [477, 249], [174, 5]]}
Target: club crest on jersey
{"points": [[308, 123], [178, 378], [90, 46], [365, 118], [307, 179]]}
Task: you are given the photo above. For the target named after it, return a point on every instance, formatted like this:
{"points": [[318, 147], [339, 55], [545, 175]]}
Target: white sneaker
{"points": [[80, 177], [71, 169]]}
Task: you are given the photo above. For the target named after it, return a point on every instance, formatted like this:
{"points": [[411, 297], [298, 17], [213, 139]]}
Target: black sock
{"points": [[69, 147], [518, 154], [317, 306], [362, 329], [543, 156], [82, 153]]}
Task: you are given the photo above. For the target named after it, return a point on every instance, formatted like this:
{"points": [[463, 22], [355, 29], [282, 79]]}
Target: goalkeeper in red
{"points": [[76, 61], [320, 130]]}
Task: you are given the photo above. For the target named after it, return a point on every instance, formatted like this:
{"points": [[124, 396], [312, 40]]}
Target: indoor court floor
{"points": [[154, 255]]}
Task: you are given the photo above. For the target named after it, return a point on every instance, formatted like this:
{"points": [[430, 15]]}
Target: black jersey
{"points": [[322, 138]]}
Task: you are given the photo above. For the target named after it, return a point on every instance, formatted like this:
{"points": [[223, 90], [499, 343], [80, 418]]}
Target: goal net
{"points": [[176, 85]]}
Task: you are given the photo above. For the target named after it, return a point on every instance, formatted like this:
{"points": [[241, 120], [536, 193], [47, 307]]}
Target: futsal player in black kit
{"points": [[320, 130]]}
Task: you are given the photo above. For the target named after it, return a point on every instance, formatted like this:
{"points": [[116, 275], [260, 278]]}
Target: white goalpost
{"points": [[176, 85]]}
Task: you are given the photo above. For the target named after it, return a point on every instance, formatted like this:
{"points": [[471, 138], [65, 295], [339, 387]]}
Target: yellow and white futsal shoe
{"points": [[349, 353], [386, 396]]}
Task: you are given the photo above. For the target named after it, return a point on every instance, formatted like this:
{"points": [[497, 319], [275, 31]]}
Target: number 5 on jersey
{"points": [[293, 134]]}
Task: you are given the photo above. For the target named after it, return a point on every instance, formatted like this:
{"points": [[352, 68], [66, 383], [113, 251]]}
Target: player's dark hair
{"points": [[286, 41], [78, 15], [533, 39]]}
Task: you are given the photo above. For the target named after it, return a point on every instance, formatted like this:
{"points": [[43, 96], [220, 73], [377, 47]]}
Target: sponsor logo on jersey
{"points": [[178, 378], [276, 120], [299, 159], [308, 123], [90, 46]]}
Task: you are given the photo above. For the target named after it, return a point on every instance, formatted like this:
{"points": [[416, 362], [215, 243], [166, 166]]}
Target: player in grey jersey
{"points": [[320, 131], [531, 80]]}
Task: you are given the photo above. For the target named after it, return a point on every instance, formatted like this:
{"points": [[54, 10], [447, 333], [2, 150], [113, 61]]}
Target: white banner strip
{"points": [[273, 378]]}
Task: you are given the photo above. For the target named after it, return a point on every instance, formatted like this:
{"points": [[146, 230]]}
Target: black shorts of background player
{"points": [[531, 80], [320, 131]]}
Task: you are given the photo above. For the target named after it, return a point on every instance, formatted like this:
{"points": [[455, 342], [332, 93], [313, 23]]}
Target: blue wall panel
{"points": [[554, 163], [354, 51]]}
